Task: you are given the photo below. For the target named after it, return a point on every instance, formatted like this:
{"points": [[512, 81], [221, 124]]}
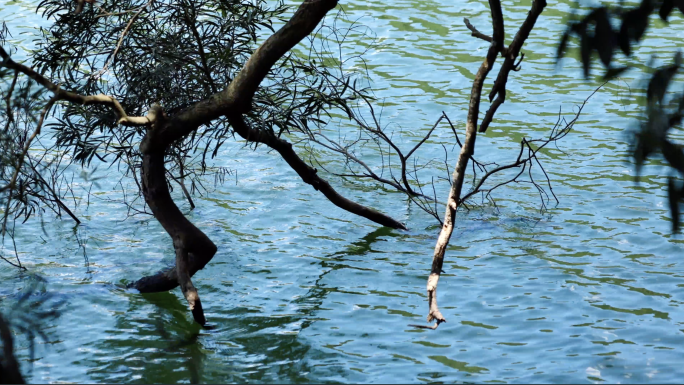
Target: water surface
{"points": [[301, 291]]}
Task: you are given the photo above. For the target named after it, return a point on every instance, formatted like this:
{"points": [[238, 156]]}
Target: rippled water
{"points": [[301, 291]]}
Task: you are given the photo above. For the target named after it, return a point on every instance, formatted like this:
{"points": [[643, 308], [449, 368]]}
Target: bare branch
{"points": [[475, 32], [60, 94], [467, 149], [309, 175], [509, 63]]}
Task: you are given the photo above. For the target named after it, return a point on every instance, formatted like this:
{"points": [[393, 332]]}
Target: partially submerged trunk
{"points": [[454, 200], [192, 247]]}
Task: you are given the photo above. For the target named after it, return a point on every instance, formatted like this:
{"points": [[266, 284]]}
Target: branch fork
{"points": [[467, 149]]}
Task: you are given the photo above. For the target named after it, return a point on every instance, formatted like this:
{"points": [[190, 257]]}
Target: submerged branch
{"points": [[468, 147], [308, 174]]}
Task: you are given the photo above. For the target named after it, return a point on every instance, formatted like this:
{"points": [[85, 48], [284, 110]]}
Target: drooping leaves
{"points": [[604, 38], [595, 32], [661, 79], [586, 47], [673, 155], [666, 9]]}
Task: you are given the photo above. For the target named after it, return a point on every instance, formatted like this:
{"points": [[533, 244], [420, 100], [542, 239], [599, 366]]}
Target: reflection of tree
{"points": [[34, 307], [243, 348], [9, 367], [134, 352]]}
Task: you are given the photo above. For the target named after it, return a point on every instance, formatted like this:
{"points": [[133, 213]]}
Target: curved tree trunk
{"points": [[193, 248]]}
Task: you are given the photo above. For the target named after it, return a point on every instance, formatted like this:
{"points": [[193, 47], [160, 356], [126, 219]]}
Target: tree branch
{"points": [[112, 57], [475, 32], [468, 147], [236, 98], [308, 174], [193, 248], [60, 94], [509, 63]]}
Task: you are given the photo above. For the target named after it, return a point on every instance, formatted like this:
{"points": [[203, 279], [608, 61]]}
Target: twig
{"points": [[477, 33], [185, 190], [112, 57], [510, 54], [20, 161], [467, 150]]}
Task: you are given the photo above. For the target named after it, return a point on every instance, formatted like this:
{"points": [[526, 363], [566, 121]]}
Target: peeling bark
{"points": [[457, 184]]}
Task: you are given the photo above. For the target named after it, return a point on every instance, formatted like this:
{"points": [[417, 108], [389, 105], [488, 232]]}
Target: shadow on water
{"points": [[154, 341]]}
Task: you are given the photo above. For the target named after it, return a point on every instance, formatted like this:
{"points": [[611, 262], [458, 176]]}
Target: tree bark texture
{"points": [[193, 248]]}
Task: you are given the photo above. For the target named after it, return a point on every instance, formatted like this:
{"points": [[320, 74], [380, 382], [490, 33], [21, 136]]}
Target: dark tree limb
{"points": [[509, 64], [236, 98], [309, 174], [498, 27], [476, 33], [498, 34], [193, 248]]}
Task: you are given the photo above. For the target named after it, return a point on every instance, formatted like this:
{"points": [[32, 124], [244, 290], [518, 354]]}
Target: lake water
{"points": [[301, 291]]}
